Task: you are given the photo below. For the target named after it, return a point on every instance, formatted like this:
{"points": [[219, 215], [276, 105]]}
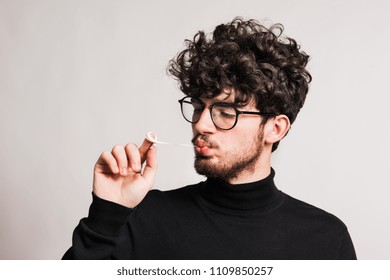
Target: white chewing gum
{"points": [[151, 136]]}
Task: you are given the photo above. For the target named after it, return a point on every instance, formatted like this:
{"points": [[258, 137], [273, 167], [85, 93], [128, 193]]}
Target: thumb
{"points": [[151, 166], [146, 145]]}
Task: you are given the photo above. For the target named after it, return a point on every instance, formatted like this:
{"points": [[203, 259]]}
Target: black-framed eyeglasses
{"points": [[224, 115]]}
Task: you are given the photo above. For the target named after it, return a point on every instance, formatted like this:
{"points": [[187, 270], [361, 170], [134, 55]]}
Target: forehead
{"points": [[223, 97], [228, 97]]}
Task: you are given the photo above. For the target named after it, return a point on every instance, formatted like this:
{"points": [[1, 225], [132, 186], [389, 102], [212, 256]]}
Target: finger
{"points": [[107, 162], [133, 157], [151, 166], [146, 146], [118, 152]]}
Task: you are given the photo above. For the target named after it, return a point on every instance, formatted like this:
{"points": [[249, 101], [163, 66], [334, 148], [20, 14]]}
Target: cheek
{"points": [[234, 141], [243, 137]]}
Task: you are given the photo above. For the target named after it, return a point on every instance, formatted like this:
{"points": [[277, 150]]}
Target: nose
{"points": [[205, 123]]}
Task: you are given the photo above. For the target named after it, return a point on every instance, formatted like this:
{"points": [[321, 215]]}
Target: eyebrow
{"points": [[213, 101]]}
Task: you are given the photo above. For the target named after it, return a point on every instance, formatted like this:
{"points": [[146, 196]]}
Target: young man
{"points": [[244, 86]]}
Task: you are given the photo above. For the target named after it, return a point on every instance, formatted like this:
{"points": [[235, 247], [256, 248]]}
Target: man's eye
{"points": [[227, 114]]}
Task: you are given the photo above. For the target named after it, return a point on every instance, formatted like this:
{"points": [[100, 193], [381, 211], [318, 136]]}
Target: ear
{"points": [[276, 128]]}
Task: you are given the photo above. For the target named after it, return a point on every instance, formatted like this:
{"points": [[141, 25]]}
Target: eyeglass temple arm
{"points": [[259, 113]]}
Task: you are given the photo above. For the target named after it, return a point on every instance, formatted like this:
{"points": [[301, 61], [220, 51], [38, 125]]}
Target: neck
{"points": [[260, 170], [222, 195]]}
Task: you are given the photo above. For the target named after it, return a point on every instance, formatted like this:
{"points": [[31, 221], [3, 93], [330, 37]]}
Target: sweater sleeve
{"points": [[347, 250], [103, 234]]}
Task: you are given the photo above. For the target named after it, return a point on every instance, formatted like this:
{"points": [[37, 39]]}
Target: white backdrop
{"points": [[77, 77]]}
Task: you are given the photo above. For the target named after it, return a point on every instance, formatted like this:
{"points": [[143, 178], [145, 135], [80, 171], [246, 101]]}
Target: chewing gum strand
{"points": [[152, 137]]}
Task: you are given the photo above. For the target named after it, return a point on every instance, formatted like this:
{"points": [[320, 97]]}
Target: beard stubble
{"points": [[234, 162]]}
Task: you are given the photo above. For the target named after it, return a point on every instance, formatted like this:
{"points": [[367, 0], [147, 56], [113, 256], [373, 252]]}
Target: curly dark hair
{"points": [[253, 60]]}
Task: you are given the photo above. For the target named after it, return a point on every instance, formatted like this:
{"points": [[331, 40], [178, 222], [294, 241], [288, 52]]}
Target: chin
{"points": [[201, 157], [208, 167]]}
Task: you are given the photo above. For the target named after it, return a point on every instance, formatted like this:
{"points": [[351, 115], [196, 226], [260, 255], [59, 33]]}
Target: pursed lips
{"points": [[202, 147]]}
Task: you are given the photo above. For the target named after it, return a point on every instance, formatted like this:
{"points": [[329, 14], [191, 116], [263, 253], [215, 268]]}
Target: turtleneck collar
{"points": [[259, 195]]}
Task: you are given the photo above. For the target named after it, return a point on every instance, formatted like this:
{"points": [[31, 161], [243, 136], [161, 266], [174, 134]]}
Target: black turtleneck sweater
{"points": [[211, 220]]}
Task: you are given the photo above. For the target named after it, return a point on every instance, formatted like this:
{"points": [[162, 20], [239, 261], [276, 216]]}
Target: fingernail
{"points": [[124, 171], [116, 170]]}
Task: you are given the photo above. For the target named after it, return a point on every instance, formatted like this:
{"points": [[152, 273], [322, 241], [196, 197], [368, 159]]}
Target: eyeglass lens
{"points": [[223, 115]]}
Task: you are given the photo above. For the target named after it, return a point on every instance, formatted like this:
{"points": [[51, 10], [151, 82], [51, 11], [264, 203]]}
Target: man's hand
{"points": [[118, 175]]}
